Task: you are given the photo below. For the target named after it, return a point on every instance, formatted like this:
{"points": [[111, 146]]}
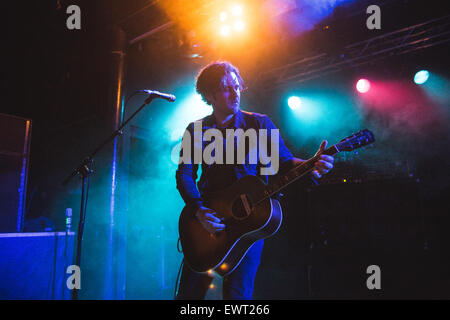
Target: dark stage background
{"points": [[385, 205]]}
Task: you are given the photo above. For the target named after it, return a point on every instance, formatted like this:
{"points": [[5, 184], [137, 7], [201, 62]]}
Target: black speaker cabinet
{"points": [[15, 142]]}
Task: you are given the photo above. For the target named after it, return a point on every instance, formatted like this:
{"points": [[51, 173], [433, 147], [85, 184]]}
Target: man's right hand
{"points": [[209, 221]]}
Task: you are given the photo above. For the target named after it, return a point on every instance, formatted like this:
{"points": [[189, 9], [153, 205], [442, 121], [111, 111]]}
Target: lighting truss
{"points": [[406, 40]]}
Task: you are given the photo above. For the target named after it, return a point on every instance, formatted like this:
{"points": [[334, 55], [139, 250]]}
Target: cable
{"points": [[180, 250], [178, 278], [128, 99]]}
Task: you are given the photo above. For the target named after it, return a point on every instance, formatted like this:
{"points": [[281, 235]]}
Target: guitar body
{"points": [[248, 212], [244, 225]]}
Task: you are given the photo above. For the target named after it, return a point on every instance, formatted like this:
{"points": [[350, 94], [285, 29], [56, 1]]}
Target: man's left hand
{"points": [[324, 164]]}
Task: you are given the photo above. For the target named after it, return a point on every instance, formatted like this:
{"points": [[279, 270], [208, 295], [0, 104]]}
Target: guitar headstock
{"points": [[356, 140]]}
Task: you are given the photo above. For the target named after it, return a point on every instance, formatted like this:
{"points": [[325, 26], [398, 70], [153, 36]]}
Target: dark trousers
{"points": [[238, 285]]}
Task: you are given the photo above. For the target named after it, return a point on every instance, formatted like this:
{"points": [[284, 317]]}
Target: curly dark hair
{"points": [[210, 77]]}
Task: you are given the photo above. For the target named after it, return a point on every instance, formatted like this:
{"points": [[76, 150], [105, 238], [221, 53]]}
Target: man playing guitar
{"points": [[220, 85]]}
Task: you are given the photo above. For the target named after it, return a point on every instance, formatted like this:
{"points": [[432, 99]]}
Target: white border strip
{"points": [[34, 234]]}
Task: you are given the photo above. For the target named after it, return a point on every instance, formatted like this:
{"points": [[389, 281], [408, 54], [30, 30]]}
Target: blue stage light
{"points": [[294, 102], [421, 77]]}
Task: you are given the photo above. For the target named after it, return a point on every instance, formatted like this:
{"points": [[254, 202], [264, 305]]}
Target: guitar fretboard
{"points": [[293, 174]]}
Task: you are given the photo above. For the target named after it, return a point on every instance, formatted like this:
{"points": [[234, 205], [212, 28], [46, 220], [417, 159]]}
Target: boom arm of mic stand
{"points": [[89, 158]]}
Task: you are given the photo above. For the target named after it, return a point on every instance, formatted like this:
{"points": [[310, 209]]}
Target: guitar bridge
{"points": [[246, 204], [241, 207]]}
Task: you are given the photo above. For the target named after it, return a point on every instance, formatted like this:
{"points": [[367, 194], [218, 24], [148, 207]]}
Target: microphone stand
{"points": [[84, 169]]}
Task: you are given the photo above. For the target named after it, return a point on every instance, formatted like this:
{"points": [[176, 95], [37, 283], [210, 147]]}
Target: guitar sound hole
{"points": [[241, 207]]}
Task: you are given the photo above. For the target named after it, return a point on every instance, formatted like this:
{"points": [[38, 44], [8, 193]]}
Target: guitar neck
{"points": [[293, 174]]}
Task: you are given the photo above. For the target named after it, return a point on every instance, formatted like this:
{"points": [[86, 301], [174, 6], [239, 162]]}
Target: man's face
{"points": [[227, 99]]}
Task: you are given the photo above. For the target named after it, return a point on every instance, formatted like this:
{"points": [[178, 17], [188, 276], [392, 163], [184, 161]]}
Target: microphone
{"points": [[157, 94]]}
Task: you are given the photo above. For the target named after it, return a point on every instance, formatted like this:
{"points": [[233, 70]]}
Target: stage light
{"points": [[232, 21], [363, 85], [225, 31], [294, 102], [236, 10], [421, 77]]}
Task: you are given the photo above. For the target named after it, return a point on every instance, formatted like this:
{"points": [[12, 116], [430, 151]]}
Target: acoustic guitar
{"points": [[248, 212]]}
